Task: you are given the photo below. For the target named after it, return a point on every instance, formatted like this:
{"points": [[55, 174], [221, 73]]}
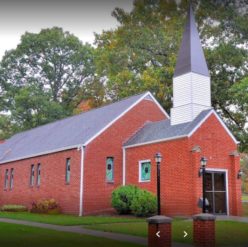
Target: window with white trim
{"points": [[144, 171]]}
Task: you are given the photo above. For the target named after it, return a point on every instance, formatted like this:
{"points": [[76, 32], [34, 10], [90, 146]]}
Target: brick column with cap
{"points": [[159, 231], [204, 230]]}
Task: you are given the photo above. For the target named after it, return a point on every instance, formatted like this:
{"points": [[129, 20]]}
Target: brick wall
{"points": [[180, 185], [52, 181], [175, 176], [97, 192], [217, 146]]}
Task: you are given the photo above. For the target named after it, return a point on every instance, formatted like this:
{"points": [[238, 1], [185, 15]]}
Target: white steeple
{"points": [[191, 81]]}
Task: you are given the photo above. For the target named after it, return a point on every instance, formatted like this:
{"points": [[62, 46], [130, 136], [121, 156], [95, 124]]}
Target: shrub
{"points": [[144, 203], [47, 206], [122, 198], [14, 208]]}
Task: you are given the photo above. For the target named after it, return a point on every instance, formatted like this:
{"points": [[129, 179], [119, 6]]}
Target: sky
{"points": [[80, 17]]}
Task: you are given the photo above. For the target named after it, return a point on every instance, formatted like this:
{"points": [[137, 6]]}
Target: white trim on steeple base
{"points": [[186, 113]]}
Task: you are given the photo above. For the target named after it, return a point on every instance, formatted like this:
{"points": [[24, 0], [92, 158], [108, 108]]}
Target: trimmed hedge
{"points": [[14, 208], [132, 200]]}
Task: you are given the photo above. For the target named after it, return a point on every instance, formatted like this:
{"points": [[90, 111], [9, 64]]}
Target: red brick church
{"points": [[80, 160]]}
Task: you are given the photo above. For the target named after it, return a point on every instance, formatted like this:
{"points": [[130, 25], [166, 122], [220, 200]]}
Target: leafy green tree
{"points": [[40, 79], [238, 108], [141, 53]]}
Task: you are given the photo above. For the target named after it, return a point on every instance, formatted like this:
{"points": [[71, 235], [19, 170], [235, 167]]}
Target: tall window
{"points": [[38, 174], [68, 170], [144, 171], [11, 184], [32, 176], [110, 169], [6, 179]]}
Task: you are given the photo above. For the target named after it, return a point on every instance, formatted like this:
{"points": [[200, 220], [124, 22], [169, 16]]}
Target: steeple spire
{"points": [[191, 57], [191, 81]]}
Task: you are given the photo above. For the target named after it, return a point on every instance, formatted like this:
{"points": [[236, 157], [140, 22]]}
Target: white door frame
{"points": [[227, 191]]}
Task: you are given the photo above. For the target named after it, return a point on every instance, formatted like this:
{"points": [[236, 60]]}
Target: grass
{"points": [[227, 233], [245, 208], [12, 235], [67, 220], [245, 197]]}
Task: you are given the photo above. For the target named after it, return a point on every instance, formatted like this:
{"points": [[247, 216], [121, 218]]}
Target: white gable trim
{"points": [[41, 154], [159, 106], [123, 113], [225, 127], [189, 135], [200, 123], [156, 141], [220, 121]]}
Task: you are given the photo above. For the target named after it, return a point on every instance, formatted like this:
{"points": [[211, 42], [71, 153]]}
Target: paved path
{"points": [[81, 230], [232, 218]]}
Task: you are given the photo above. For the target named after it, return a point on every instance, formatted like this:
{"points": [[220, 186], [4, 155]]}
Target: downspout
{"points": [[81, 181], [124, 166]]}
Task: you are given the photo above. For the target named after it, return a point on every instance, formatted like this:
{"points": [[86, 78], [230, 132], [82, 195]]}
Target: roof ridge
{"points": [[80, 114]]}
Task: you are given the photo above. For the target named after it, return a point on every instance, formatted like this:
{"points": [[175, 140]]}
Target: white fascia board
{"points": [[156, 141], [81, 189], [42, 153], [122, 114], [159, 106], [200, 123], [220, 121], [225, 127]]}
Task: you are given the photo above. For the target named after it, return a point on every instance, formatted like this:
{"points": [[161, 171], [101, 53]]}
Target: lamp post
{"points": [[203, 162], [158, 159]]}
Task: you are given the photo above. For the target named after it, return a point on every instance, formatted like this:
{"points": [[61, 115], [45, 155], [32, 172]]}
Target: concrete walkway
{"points": [[81, 230], [232, 218]]}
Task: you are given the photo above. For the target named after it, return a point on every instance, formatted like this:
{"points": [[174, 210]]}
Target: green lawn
{"points": [[227, 233], [12, 235], [68, 220], [245, 208], [245, 197]]}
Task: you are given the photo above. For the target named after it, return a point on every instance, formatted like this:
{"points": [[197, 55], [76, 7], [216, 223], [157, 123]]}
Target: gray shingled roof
{"points": [[191, 57], [65, 133], [154, 131]]}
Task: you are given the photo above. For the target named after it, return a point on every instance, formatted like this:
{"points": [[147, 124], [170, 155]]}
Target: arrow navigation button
{"points": [[185, 234], [158, 234]]}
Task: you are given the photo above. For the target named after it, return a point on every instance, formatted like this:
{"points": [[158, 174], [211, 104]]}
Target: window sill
{"points": [[145, 181], [67, 183], [110, 182]]}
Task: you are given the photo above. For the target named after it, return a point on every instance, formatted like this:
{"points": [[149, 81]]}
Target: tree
{"points": [[141, 53], [40, 79], [238, 107]]}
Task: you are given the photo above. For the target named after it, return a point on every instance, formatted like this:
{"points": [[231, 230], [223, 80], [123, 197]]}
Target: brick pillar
{"points": [[159, 231], [204, 230], [235, 185]]}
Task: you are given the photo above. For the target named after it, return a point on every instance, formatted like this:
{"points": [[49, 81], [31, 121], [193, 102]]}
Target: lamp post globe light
{"points": [[158, 159], [203, 163]]}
